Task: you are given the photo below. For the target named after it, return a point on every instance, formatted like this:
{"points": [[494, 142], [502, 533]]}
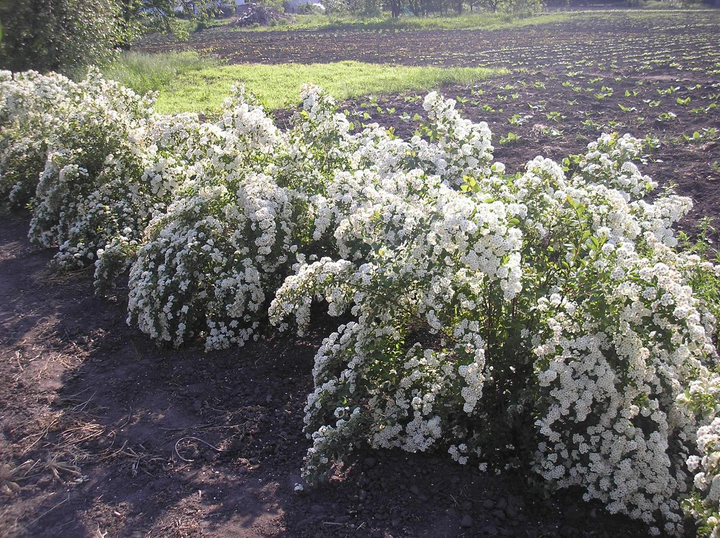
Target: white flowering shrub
{"points": [[31, 108], [703, 504], [174, 147], [544, 319], [619, 336], [457, 146], [406, 296], [91, 188], [83, 156], [703, 396], [93, 162], [252, 196], [209, 261], [541, 303]]}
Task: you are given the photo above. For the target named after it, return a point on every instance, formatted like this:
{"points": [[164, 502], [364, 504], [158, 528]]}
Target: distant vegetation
{"points": [[60, 35], [468, 21], [488, 21]]}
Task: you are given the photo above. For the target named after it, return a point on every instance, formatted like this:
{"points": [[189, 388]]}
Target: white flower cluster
{"points": [[609, 161], [544, 316], [208, 261], [621, 335], [31, 107], [462, 147], [703, 396], [213, 260]]}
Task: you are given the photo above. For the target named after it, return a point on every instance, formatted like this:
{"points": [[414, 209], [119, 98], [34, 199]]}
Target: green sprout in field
{"points": [[510, 138]]}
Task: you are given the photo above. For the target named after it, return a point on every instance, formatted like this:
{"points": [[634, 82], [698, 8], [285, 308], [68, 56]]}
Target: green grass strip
{"points": [[466, 21], [203, 90], [155, 72]]}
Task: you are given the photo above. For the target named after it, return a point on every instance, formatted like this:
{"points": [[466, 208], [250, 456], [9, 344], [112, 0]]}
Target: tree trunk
{"points": [[395, 8]]}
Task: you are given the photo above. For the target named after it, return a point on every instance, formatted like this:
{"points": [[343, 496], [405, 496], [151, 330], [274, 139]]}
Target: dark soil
{"points": [[680, 38]]}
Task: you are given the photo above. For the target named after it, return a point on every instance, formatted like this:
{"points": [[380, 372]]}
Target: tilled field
{"points": [[104, 434], [625, 41]]}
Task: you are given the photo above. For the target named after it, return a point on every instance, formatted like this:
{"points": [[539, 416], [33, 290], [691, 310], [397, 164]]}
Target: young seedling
{"points": [[510, 138]]}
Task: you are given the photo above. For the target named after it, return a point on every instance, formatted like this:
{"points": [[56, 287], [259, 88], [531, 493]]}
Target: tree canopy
{"points": [[59, 35], [67, 35]]}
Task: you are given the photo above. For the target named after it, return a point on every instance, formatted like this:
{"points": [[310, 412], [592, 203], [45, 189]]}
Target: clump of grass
{"points": [[155, 72], [277, 86]]}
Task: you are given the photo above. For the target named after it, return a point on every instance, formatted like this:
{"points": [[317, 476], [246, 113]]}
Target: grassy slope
{"points": [[188, 83]]}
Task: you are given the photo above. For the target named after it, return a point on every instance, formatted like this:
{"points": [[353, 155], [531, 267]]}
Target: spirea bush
{"points": [[92, 187], [209, 261], [31, 108], [76, 153], [212, 262], [172, 149], [544, 319]]}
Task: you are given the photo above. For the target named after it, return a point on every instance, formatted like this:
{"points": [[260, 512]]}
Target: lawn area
{"points": [[189, 83], [153, 72]]}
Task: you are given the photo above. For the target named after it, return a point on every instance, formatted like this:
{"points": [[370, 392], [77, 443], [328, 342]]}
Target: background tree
{"points": [[68, 35], [164, 15], [421, 8], [59, 35]]}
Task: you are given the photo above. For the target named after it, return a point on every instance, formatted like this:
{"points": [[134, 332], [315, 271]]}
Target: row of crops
{"points": [[543, 319]]}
